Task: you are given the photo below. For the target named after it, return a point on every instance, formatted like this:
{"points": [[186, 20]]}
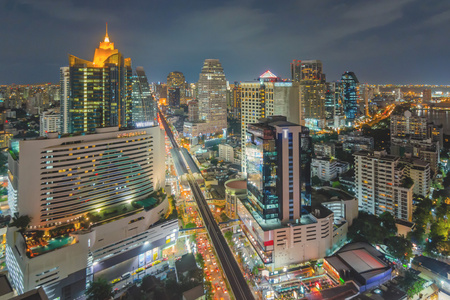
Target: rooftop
{"points": [[194, 293], [432, 264], [327, 194]]}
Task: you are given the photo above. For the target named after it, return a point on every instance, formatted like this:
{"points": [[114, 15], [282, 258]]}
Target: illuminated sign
{"points": [[131, 134]]}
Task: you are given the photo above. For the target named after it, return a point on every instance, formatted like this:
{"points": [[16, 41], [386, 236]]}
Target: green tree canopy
{"points": [[99, 290]]}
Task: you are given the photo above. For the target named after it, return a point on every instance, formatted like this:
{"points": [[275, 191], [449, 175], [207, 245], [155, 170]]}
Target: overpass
{"points": [[229, 265]]}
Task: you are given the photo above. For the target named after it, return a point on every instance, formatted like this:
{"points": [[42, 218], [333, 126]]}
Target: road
{"points": [[229, 265]]}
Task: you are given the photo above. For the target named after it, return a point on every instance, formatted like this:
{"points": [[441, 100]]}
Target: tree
{"points": [[21, 222], [315, 181], [255, 270], [411, 283], [388, 224], [99, 290], [400, 248], [214, 162], [190, 225], [228, 235]]}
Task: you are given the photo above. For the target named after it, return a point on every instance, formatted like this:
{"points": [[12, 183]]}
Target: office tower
{"points": [[264, 98], [278, 177], [334, 113], [311, 78], [350, 96], [193, 111], [176, 90], [65, 92], [144, 105], [50, 121], [426, 98], [100, 90], [382, 185], [212, 98], [173, 96], [95, 201], [274, 147]]}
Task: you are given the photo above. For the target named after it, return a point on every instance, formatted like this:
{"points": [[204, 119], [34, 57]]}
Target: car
{"points": [[225, 290]]}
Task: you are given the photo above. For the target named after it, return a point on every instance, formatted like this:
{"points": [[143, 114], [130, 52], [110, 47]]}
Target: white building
{"points": [[50, 121], [381, 185], [327, 168], [109, 179], [226, 153], [420, 172], [65, 94]]}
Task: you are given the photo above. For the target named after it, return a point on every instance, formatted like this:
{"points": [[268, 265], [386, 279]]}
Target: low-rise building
{"points": [[226, 153], [325, 150], [360, 263], [328, 168], [355, 141], [234, 189]]}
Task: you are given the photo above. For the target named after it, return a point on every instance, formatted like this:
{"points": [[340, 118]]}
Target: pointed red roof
{"points": [[267, 74]]}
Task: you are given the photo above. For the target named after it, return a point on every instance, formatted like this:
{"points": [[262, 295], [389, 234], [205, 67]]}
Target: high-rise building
{"points": [[236, 101], [212, 96], [65, 99], [334, 112], [100, 90], [176, 90], [274, 146], [278, 181], [264, 98], [193, 111], [144, 105], [50, 121], [93, 201], [350, 96], [382, 184], [426, 96], [312, 91]]}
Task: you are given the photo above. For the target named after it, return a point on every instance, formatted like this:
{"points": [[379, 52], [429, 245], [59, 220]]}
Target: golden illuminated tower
{"points": [[100, 90]]}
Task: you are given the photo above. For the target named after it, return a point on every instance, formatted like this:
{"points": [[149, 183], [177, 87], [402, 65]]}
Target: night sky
{"points": [[382, 41]]}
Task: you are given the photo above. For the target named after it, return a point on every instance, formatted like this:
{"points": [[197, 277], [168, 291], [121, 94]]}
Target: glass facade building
{"points": [[350, 95], [100, 90], [144, 105], [278, 169]]}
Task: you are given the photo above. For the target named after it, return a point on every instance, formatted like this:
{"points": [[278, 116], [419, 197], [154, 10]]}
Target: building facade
{"points": [[78, 190], [350, 96], [99, 91], [144, 105], [176, 91], [309, 74], [50, 121], [382, 185], [212, 96]]}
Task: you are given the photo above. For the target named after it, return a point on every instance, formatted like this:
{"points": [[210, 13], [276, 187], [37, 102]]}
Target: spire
{"points": [[106, 35]]}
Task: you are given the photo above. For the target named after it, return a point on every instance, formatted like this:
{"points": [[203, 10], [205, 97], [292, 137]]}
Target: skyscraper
{"points": [[212, 96], [312, 91], [350, 96], [283, 229], [277, 188], [144, 105], [100, 90], [176, 89]]}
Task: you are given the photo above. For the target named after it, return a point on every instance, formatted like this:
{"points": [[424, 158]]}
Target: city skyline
{"points": [[378, 41]]}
